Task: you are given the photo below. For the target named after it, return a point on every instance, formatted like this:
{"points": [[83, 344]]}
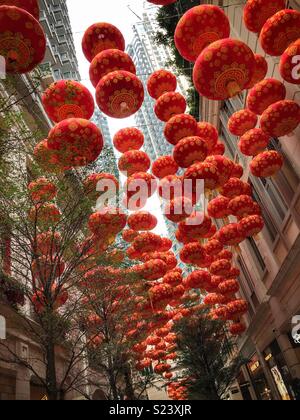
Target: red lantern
{"points": [[178, 209], [218, 208], [68, 99], [254, 142], [129, 235], [120, 94], [220, 267], [108, 220], [209, 133], [237, 328], [229, 287], [241, 122], [99, 37], [218, 150], [57, 299], [224, 167], [76, 141], [42, 190], [193, 253], [219, 313], [109, 61], [48, 243], [196, 227], [22, 40], [162, 368], [197, 280], [233, 273], [164, 166], [45, 214], [167, 257], [223, 69], [45, 268], [198, 28], [252, 225], [241, 206], [237, 172], [170, 187], [166, 245], [139, 187], [153, 270], [47, 158], [147, 242], [169, 105], [161, 82], [237, 308], [266, 164], [287, 67], [31, 6], [110, 184], [235, 187], [142, 220], [281, 30], [162, 2], [189, 151], [231, 235], [281, 118], [173, 279], [260, 71], [213, 247], [128, 139], [134, 161], [214, 299], [257, 12], [224, 255], [264, 94], [180, 127], [205, 171]]}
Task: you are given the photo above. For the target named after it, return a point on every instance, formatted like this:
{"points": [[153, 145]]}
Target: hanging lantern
{"points": [[164, 166], [237, 171], [45, 269], [237, 328], [219, 313], [254, 142], [31, 6], [22, 40], [220, 267], [197, 226], [162, 368], [241, 122], [224, 255], [147, 242], [160, 294], [212, 231], [166, 245], [120, 94], [161, 82], [235, 187], [169, 105], [251, 225], [266, 164], [218, 150], [134, 161], [76, 141], [206, 171], [153, 270], [40, 300], [179, 127], [99, 37], [209, 133], [237, 308], [234, 273], [218, 208], [110, 184], [213, 247], [241, 206], [108, 220], [224, 167], [265, 93], [167, 257], [45, 214], [257, 12], [48, 243], [192, 253], [281, 118], [173, 279], [48, 159], [231, 235], [129, 235], [198, 28], [190, 150], [260, 71], [132, 253], [287, 67], [128, 139], [178, 209], [162, 2], [42, 190], [224, 69], [214, 299], [281, 30], [141, 184], [142, 221], [229, 287], [68, 99]]}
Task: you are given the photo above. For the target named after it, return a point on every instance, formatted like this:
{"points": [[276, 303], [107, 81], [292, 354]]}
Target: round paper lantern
{"points": [[235, 187], [162, 2], [224, 255], [198, 28], [45, 215], [99, 37], [237, 171], [254, 142], [108, 220], [134, 161], [214, 299], [129, 235], [147, 242], [42, 190], [164, 166], [237, 328], [167, 257], [139, 187], [220, 267], [192, 253], [178, 209], [31, 6], [170, 187], [180, 127], [218, 150], [68, 99], [266, 164], [237, 309], [241, 206], [287, 67], [161, 82], [281, 118], [265, 93], [233, 273], [48, 243], [218, 208], [260, 71], [197, 280], [213, 247], [231, 235], [205, 171], [153, 270], [128, 139], [109, 61], [257, 12], [224, 167], [120, 94], [162, 368], [197, 226], [173, 279], [229, 287], [223, 69], [219, 313], [166, 245], [169, 105], [45, 268], [22, 40], [142, 220], [47, 158], [91, 184], [189, 151], [209, 133], [241, 122], [76, 141], [281, 30], [252, 225], [212, 231]]}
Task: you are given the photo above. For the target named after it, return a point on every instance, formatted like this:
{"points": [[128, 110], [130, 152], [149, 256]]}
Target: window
{"points": [[256, 253]]}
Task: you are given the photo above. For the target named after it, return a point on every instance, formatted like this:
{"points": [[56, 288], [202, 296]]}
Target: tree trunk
{"points": [[53, 393], [128, 383]]}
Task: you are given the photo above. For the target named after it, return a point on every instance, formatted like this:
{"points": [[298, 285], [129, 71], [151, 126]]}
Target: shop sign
{"points": [[254, 366]]}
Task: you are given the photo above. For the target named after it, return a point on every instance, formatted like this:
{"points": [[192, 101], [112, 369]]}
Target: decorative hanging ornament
{"points": [[281, 118], [218, 208], [264, 94], [224, 167], [31, 6], [96, 184], [237, 329], [241, 206], [252, 225], [288, 67], [120, 94], [260, 71], [190, 150], [197, 280], [266, 164], [178, 209], [42, 190], [22, 40], [254, 142], [142, 221], [169, 105], [170, 187], [206, 171], [209, 133], [257, 12], [179, 127], [45, 215], [147, 242], [199, 27], [134, 161], [128, 139], [235, 187], [193, 253], [48, 159], [164, 166], [230, 235], [108, 220], [241, 122], [161, 82]]}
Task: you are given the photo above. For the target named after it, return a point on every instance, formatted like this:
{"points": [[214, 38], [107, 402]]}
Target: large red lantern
{"points": [[128, 139], [45, 268], [254, 142], [257, 12], [237, 172], [110, 184], [280, 31], [206, 171], [235, 187], [42, 190], [170, 187], [68, 99], [45, 214], [213, 247], [231, 235], [173, 278], [178, 209], [224, 255], [241, 122], [31, 6], [197, 226], [220, 267], [237, 308], [197, 280], [214, 299], [22, 40], [142, 183], [134, 161], [224, 69], [281, 118], [141, 221], [167, 257], [237, 328], [241, 206], [108, 220], [209, 133], [153, 270], [190, 150], [179, 127], [169, 105], [265, 93], [192, 253], [99, 37], [266, 164], [161, 82], [218, 150], [251, 225], [164, 166], [224, 167], [166, 245], [76, 141], [198, 28], [218, 208], [260, 71], [229, 287], [48, 159], [288, 69], [109, 61], [129, 235], [120, 94], [147, 242]]}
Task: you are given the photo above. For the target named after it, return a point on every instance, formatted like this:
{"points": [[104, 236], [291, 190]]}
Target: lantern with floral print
{"points": [[134, 161], [257, 12], [153, 270], [160, 294], [99, 37], [214, 299], [206, 171], [198, 225], [254, 142], [238, 328], [241, 206], [281, 30], [57, 299], [161, 82], [170, 187], [161, 368], [231, 235], [224, 69], [48, 243], [178, 209], [265, 93], [129, 235], [167, 257], [147, 242], [42, 190], [128, 139], [169, 105], [31, 6], [237, 309], [229, 287], [218, 150], [197, 280], [212, 231], [47, 158], [288, 69], [68, 99], [266, 164], [281, 118], [77, 142], [237, 171], [209, 133], [139, 187], [142, 221], [45, 215], [252, 225], [109, 220], [224, 255], [96, 184], [198, 28], [173, 278], [22, 40], [192, 253], [120, 94], [224, 167], [220, 267], [218, 208], [241, 122], [190, 150], [179, 127], [164, 166], [235, 187], [45, 268], [166, 245], [219, 313], [260, 71], [213, 247]]}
